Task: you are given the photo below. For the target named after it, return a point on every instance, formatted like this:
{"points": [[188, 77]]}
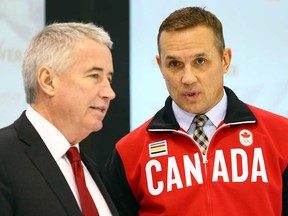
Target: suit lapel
{"points": [[47, 166]]}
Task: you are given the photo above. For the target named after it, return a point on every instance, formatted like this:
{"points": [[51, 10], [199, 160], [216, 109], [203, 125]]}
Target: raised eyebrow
{"points": [[100, 70], [171, 58], [96, 69], [197, 55], [200, 55]]}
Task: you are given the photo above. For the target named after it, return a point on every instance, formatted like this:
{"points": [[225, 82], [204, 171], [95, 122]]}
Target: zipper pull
{"points": [[205, 161]]}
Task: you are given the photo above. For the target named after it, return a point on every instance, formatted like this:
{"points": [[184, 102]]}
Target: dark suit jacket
{"points": [[31, 183]]}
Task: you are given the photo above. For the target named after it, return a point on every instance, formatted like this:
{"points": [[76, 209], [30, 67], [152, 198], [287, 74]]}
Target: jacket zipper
{"points": [[205, 162], [206, 182]]}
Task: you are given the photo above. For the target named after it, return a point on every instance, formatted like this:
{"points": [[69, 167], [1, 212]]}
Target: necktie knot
{"points": [[200, 120], [73, 155]]}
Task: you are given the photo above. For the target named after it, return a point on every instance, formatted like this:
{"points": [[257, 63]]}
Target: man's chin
{"points": [[98, 126]]}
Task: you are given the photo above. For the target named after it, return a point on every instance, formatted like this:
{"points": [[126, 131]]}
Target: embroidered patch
{"points": [[246, 137], [158, 148]]}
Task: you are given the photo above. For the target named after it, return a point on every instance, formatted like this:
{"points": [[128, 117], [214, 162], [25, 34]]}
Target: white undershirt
{"points": [[58, 146]]}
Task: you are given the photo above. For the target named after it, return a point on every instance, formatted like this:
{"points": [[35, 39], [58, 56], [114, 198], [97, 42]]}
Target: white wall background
{"points": [[256, 31], [19, 21]]}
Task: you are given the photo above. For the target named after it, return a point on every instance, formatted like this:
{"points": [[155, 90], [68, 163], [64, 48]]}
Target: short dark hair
{"points": [[190, 17]]}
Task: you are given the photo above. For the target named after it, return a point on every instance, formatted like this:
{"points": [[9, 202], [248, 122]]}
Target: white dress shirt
{"points": [[216, 115], [58, 146]]}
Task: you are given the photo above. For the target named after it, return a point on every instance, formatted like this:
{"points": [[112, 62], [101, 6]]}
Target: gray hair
{"points": [[52, 46]]}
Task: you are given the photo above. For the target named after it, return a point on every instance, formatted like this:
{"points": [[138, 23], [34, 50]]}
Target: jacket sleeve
{"points": [[285, 192], [118, 187]]}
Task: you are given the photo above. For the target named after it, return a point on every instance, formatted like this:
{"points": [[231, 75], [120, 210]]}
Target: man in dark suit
{"points": [[67, 71]]}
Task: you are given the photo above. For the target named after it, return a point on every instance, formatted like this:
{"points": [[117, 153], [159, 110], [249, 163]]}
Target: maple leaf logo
{"points": [[245, 135]]}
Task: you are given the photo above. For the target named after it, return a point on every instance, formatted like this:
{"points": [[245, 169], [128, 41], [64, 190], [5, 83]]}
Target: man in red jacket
{"points": [[205, 152]]}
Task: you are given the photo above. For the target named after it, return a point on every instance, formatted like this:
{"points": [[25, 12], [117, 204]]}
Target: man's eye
{"points": [[94, 76], [174, 64], [200, 61]]}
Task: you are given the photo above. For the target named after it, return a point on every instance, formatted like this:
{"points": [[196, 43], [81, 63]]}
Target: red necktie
{"points": [[87, 203]]}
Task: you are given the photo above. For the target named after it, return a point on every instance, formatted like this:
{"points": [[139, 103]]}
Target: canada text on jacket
{"points": [[240, 170]]}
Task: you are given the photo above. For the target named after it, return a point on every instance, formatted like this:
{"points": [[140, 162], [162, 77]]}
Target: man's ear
{"points": [[45, 80], [227, 56], [158, 60]]}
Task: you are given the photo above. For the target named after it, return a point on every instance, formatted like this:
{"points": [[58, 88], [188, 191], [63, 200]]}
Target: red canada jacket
{"points": [[158, 169]]}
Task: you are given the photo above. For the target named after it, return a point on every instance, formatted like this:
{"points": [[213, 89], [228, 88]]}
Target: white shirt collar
{"points": [[216, 115], [52, 137], [58, 146], [218, 112]]}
